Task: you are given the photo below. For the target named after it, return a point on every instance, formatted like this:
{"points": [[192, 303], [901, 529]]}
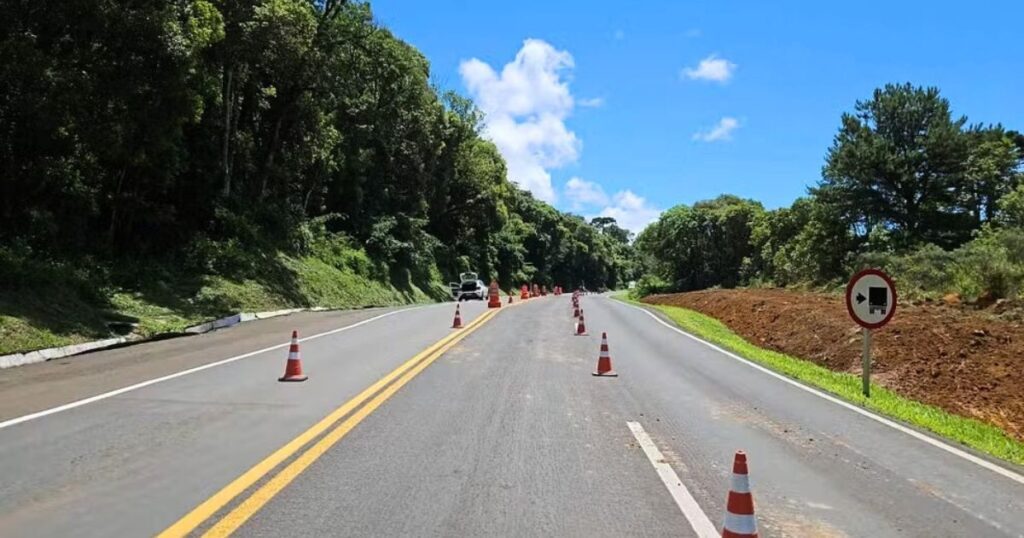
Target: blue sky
{"points": [[776, 78]]}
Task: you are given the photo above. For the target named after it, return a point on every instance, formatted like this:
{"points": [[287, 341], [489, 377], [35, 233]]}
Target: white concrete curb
{"points": [[42, 355], [20, 359]]}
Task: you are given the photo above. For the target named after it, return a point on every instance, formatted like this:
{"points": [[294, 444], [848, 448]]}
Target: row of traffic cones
{"points": [[577, 314], [740, 521]]}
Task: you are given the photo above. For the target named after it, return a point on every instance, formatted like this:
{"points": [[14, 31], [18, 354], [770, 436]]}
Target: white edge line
{"points": [[913, 433], [687, 504], [129, 388]]}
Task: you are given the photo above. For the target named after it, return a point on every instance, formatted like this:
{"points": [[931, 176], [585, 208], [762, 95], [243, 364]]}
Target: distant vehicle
{"points": [[471, 287]]}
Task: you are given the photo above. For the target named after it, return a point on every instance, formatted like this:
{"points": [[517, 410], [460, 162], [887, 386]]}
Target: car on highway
{"points": [[471, 287]]}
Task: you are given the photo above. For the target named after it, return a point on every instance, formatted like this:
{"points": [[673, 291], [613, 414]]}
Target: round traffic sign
{"points": [[871, 298]]}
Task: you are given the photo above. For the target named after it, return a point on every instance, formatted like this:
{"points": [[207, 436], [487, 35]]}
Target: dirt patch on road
{"points": [[961, 359]]}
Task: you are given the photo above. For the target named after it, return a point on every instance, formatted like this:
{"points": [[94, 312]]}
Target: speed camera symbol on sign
{"points": [[871, 298]]}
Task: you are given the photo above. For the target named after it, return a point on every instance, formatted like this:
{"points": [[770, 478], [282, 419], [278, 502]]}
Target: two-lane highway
{"points": [[495, 430]]}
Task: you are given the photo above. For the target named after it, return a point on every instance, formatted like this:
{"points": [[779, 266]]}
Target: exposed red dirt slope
{"points": [[962, 360]]}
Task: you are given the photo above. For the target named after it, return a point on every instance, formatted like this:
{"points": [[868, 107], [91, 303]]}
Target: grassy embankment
{"points": [[970, 432], [48, 304]]}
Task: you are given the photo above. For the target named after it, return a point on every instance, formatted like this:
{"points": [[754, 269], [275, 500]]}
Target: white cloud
{"points": [[592, 102], [525, 108], [711, 68], [581, 193], [722, 131], [631, 211]]}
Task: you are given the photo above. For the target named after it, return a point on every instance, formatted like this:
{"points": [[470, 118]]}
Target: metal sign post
{"points": [[871, 302], [865, 364]]}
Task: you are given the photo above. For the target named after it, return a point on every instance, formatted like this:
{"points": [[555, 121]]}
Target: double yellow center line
{"points": [[376, 395]]}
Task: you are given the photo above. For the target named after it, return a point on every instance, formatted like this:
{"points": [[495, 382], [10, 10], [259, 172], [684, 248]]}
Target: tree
{"points": [[991, 172], [897, 162], [701, 246], [610, 227]]}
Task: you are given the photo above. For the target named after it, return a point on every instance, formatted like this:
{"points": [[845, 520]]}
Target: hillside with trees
{"points": [[906, 186], [163, 162]]}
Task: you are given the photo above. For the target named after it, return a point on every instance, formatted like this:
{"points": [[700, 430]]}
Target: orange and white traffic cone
{"points": [[576, 311], [293, 370], [494, 295], [457, 322], [524, 292], [604, 360], [581, 326], [740, 521]]}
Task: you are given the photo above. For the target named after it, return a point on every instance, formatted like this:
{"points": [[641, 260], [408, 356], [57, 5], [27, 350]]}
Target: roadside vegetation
{"points": [[970, 432], [162, 163], [906, 186]]}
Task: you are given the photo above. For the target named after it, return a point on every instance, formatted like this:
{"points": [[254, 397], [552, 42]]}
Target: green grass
{"points": [[970, 432], [48, 304]]}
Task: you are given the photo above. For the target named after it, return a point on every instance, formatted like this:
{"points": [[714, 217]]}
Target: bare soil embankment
{"points": [[957, 357]]}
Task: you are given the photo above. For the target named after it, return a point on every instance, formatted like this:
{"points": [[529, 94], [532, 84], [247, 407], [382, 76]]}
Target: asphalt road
{"points": [[499, 430]]}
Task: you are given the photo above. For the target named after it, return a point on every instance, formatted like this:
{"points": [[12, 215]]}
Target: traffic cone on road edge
{"points": [[457, 322], [581, 326], [740, 521], [293, 370], [604, 360], [494, 295], [510, 298]]}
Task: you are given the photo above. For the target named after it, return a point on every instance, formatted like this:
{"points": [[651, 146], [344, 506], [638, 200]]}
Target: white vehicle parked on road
{"points": [[471, 287]]}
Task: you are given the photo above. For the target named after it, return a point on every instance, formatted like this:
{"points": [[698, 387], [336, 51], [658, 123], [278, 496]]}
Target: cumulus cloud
{"points": [[631, 211], [593, 102], [581, 193], [711, 68], [722, 131], [525, 107]]}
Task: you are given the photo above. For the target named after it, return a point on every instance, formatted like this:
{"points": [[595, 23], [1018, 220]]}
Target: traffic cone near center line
{"points": [[604, 360], [740, 521], [293, 370], [581, 326], [457, 322], [494, 295]]}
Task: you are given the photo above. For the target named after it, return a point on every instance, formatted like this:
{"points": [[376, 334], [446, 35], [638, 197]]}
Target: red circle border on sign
{"points": [[849, 304]]}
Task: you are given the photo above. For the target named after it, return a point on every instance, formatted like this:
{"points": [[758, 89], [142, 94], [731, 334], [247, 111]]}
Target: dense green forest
{"points": [[198, 156], [906, 186]]}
